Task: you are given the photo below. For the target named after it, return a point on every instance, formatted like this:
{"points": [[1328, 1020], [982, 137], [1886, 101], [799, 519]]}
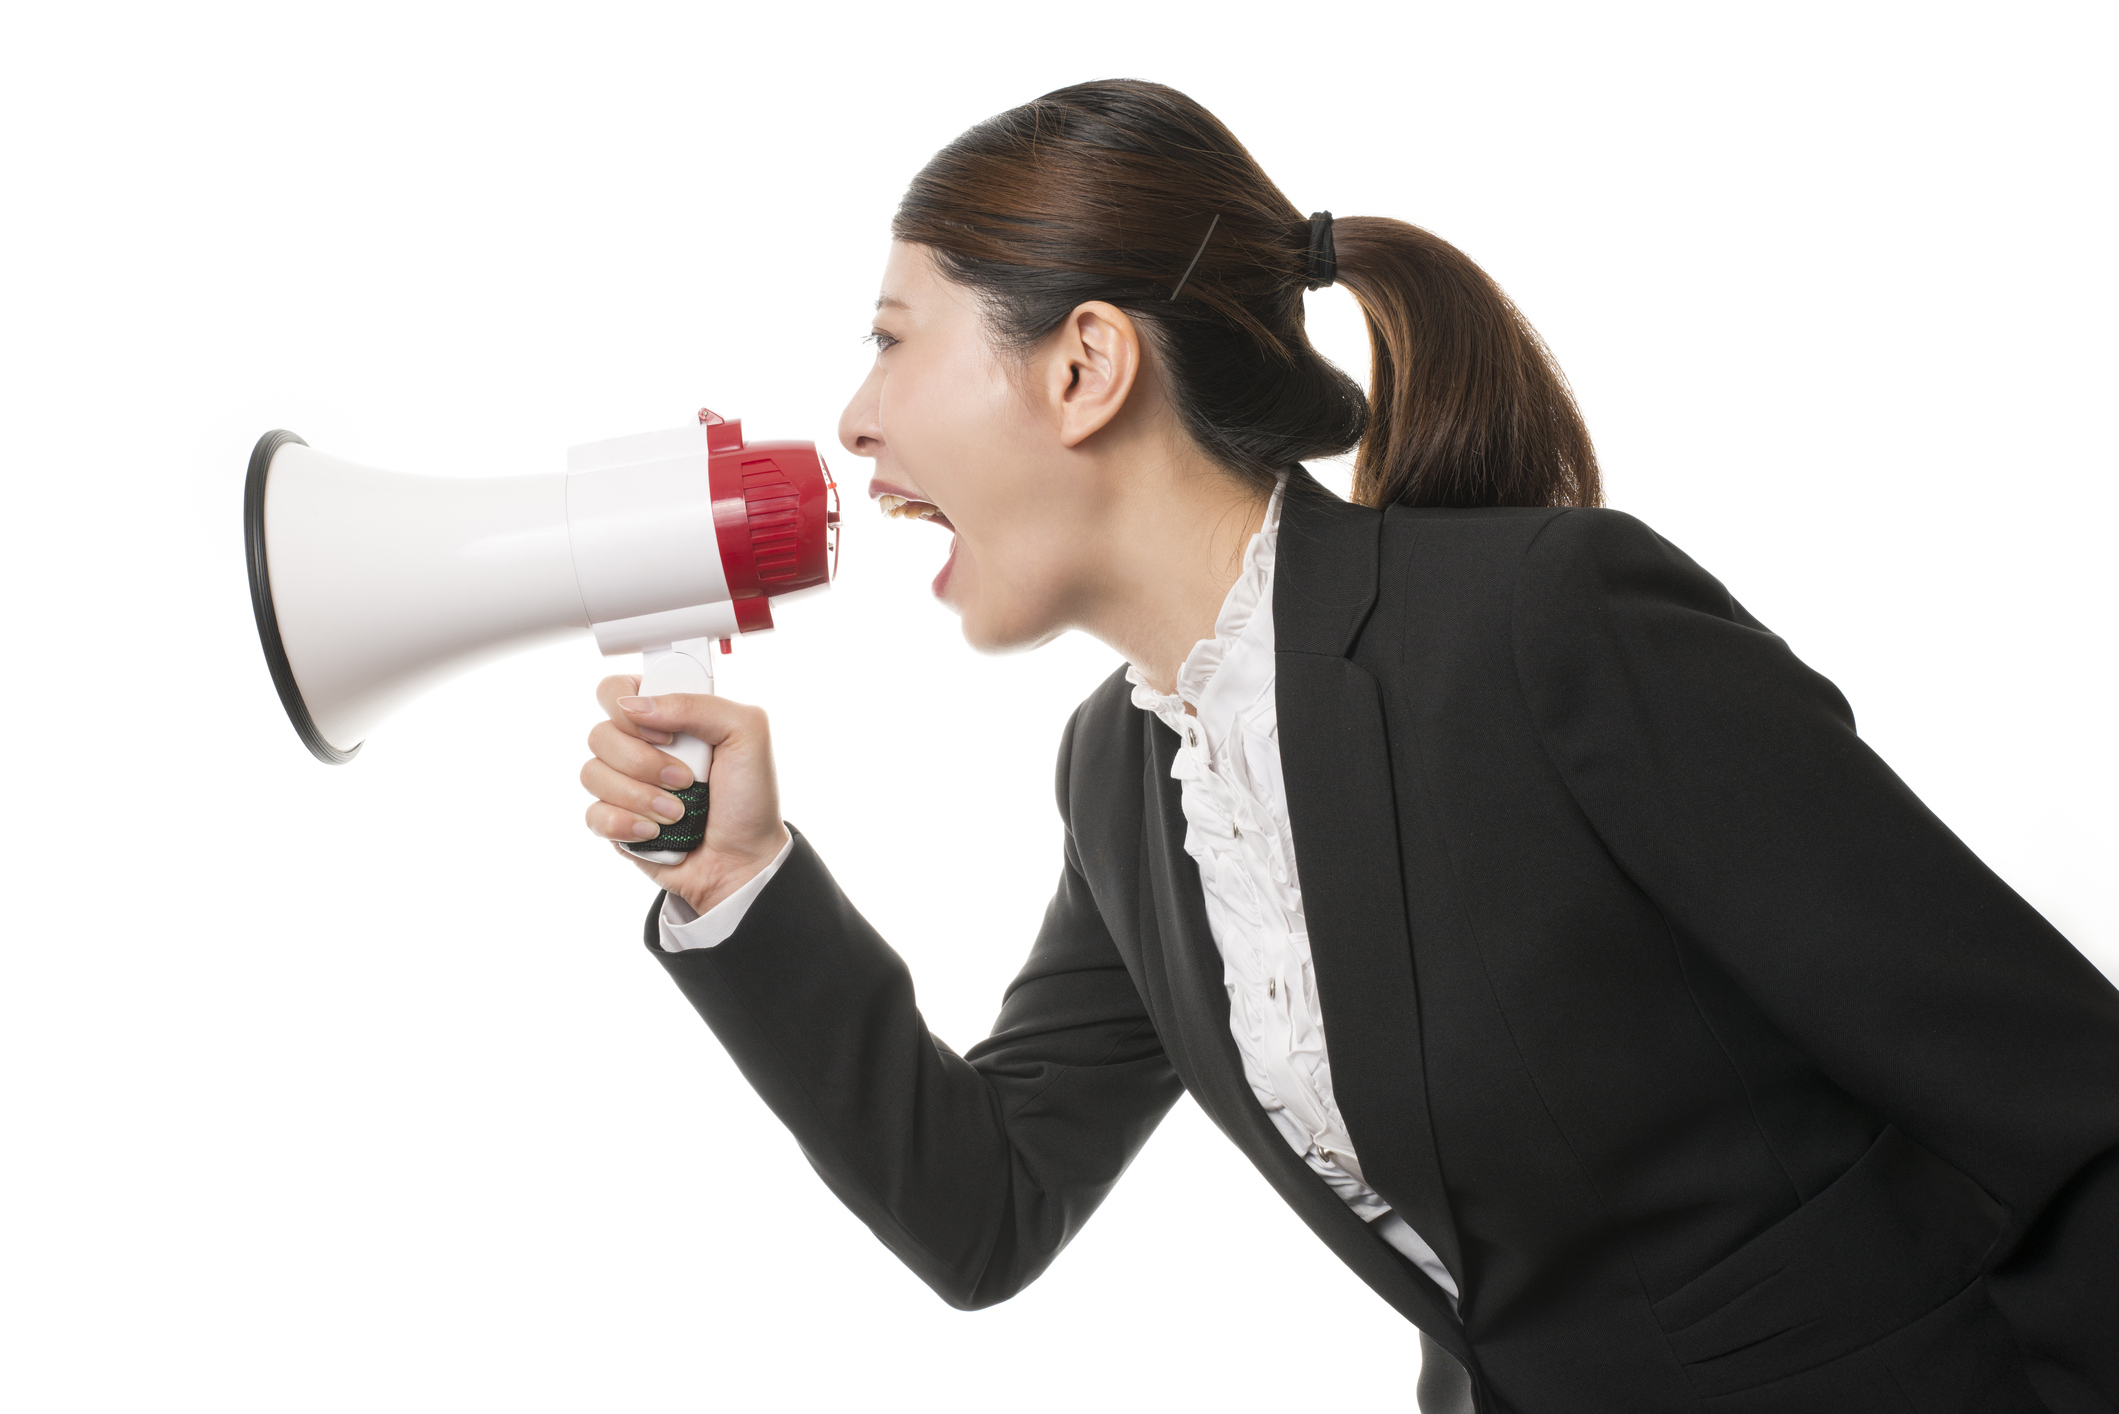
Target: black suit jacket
{"points": [[1716, 1069]]}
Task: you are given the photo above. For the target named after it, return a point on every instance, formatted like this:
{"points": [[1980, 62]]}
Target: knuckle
{"points": [[610, 743]]}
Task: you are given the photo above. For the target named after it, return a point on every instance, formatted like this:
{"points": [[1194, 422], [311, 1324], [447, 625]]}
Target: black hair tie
{"points": [[1324, 256]]}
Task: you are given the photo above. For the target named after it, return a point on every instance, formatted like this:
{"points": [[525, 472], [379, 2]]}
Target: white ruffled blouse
{"points": [[1236, 829]]}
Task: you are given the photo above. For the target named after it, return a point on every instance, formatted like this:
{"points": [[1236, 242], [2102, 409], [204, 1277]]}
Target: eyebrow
{"points": [[891, 302]]}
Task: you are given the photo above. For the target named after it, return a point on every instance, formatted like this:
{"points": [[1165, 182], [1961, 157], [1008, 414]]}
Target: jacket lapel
{"points": [[1336, 759], [1192, 1020]]}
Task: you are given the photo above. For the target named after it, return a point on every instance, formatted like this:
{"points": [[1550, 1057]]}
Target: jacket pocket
{"points": [[1893, 1238]]}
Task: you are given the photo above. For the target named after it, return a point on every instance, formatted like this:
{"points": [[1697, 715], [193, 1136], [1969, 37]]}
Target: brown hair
{"points": [[1106, 191]]}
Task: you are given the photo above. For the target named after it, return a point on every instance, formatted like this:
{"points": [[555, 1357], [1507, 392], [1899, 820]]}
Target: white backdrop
{"points": [[354, 1089]]}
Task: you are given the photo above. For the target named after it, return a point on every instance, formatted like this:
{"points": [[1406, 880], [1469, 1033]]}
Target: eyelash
{"points": [[881, 340]]}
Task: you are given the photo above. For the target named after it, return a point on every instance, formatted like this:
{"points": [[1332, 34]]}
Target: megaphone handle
{"points": [[681, 667]]}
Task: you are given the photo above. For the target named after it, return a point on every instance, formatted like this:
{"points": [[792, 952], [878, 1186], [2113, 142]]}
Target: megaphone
{"points": [[371, 586]]}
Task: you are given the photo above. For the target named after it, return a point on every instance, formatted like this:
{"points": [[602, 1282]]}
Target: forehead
{"points": [[907, 267], [913, 285]]}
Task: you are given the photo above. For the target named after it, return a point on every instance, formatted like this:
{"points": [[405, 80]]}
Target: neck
{"points": [[1175, 546]]}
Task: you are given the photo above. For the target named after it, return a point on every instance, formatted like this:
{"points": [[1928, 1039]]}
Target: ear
{"points": [[1091, 363]]}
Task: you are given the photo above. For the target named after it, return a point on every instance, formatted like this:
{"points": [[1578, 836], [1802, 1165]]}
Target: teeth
{"points": [[904, 508]]}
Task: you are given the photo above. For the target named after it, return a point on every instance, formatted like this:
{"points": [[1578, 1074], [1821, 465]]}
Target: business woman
{"points": [[1520, 905]]}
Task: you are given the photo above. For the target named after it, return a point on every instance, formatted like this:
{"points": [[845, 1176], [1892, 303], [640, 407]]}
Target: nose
{"points": [[861, 425]]}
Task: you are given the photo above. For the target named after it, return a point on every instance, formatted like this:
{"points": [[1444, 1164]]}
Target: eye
{"points": [[881, 340]]}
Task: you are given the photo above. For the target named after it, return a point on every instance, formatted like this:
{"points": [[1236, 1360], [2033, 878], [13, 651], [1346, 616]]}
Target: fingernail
{"points": [[676, 777], [668, 809], [645, 829], [636, 705], [655, 738]]}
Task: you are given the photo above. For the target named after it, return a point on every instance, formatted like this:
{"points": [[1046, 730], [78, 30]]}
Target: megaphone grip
{"points": [[682, 667], [690, 832]]}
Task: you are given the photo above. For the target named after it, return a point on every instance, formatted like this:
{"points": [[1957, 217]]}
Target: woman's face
{"points": [[960, 433]]}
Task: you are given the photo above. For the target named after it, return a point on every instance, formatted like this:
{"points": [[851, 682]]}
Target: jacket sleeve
{"points": [[976, 1169], [1726, 779]]}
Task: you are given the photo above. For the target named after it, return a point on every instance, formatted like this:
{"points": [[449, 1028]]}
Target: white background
{"points": [[354, 1089]]}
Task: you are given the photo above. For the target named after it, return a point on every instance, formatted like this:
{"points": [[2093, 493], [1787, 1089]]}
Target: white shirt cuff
{"points": [[682, 929]]}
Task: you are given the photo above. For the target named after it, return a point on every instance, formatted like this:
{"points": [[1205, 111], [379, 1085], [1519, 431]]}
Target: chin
{"points": [[985, 638], [991, 633]]}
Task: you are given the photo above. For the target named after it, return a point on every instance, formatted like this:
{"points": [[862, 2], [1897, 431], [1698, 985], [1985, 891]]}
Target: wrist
{"points": [[730, 872]]}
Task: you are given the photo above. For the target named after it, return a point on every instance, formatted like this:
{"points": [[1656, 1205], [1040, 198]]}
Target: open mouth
{"points": [[905, 508], [902, 507]]}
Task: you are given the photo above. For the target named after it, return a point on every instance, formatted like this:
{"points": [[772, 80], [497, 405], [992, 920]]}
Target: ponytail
{"points": [[1133, 194], [1467, 406]]}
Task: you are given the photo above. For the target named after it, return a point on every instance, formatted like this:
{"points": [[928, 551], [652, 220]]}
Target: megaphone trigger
{"points": [[681, 667]]}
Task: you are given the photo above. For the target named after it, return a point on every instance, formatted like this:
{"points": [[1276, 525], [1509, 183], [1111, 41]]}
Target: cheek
{"points": [[948, 420]]}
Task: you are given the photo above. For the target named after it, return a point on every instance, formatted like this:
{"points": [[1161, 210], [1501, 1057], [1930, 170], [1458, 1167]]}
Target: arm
{"points": [[1726, 779], [974, 1169]]}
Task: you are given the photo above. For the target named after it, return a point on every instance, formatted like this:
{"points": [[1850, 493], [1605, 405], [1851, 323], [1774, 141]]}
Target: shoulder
{"points": [[1503, 539], [1590, 564], [1476, 554], [1501, 584], [1447, 576], [1532, 563], [1604, 609]]}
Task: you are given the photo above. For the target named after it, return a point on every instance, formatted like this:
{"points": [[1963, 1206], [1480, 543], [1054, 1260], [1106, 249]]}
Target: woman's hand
{"points": [[633, 784]]}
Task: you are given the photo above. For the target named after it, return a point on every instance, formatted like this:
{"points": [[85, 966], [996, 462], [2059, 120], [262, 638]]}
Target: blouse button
{"points": [[1272, 986], [1191, 737]]}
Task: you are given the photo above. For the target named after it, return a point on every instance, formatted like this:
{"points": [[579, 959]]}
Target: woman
{"points": [[1678, 1058]]}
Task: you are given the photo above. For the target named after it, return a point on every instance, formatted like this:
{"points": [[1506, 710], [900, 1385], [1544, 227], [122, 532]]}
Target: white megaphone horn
{"points": [[371, 586]]}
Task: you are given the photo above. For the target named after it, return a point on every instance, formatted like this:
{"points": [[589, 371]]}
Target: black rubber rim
{"points": [[261, 601]]}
